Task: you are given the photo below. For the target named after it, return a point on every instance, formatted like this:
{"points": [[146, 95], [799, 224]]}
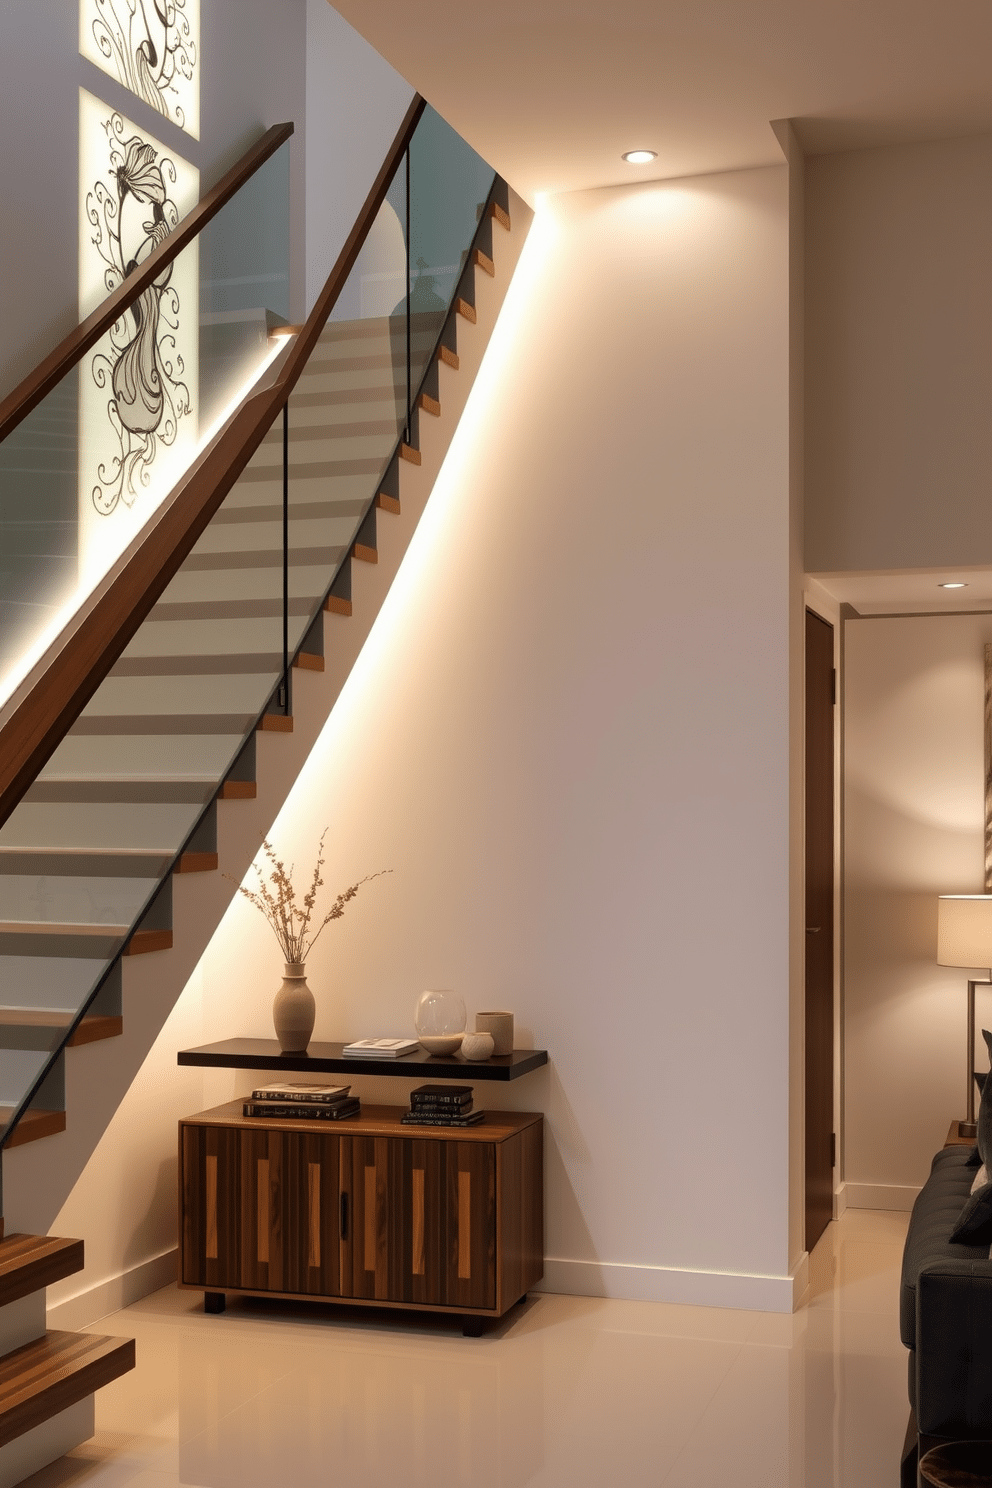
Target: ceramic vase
{"points": [[500, 1025], [294, 1010]]}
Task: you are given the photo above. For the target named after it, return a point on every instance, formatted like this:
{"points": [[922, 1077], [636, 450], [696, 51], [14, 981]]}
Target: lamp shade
{"points": [[964, 930]]}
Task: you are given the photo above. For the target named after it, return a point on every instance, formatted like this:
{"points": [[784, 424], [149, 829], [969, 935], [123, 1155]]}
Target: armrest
{"points": [[954, 1348]]}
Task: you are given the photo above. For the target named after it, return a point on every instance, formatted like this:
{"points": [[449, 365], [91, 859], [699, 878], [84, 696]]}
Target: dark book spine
{"points": [[414, 1118], [431, 1110], [267, 1098], [301, 1113], [447, 1101]]}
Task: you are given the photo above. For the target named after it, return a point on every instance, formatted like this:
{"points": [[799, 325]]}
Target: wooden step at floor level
{"points": [[43, 1378], [30, 1262]]}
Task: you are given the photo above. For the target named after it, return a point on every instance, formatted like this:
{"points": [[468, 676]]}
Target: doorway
{"points": [[819, 995]]}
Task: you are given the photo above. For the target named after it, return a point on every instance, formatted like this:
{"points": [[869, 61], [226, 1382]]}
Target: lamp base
{"points": [[968, 1129]]}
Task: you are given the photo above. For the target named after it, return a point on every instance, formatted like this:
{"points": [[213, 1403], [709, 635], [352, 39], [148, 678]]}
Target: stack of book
{"points": [[442, 1105], [302, 1102]]}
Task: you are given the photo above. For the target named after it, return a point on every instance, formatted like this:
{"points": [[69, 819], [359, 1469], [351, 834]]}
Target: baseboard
{"points": [[95, 1302], [669, 1284], [800, 1280], [840, 1200], [880, 1196]]}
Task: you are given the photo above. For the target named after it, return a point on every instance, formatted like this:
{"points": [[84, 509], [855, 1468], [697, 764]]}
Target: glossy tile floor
{"points": [[568, 1392]]}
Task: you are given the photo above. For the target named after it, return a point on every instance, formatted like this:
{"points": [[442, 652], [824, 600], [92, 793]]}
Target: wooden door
{"points": [[211, 1253], [421, 1224], [289, 1220], [820, 690]]}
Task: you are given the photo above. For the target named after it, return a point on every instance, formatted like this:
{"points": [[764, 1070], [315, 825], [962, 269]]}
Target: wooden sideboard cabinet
{"points": [[364, 1211]]}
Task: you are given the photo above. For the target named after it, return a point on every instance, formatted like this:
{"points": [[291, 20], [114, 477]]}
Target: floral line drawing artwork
{"points": [[151, 45], [142, 367]]}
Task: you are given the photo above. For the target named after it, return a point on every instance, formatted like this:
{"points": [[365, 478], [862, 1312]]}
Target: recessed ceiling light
{"points": [[639, 157], [956, 585]]}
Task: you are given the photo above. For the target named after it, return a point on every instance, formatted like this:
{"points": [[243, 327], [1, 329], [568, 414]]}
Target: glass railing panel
{"points": [[87, 468], [39, 522], [449, 185], [244, 286], [347, 412], [39, 999]]}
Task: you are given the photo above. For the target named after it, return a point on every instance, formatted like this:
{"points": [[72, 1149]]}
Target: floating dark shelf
{"points": [[328, 1059]]}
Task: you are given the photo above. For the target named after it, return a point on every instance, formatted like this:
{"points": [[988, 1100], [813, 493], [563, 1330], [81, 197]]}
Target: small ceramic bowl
{"points": [[442, 1043], [477, 1045]]}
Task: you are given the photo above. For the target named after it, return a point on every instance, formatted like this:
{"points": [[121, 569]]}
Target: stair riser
{"points": [[47, 1442]]}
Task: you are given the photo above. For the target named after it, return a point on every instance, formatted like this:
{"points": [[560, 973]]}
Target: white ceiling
{"points": [[552, 93], [916, 593]]}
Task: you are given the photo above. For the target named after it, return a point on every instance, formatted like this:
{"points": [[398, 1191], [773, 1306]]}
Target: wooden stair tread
{"points": [[138, 862], [144, 941], [197, 862], [45, 1377], [65, 791], [306, 661], [56, 927], [30, 1262], [238, 790], [94, 1027], [32, 1125]]}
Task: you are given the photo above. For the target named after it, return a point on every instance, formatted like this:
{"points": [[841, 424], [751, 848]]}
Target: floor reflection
{"points": [[569, 1391]]}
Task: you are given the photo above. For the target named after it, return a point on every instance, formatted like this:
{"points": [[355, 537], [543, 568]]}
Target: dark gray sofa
{"points": [[945, 1313]]}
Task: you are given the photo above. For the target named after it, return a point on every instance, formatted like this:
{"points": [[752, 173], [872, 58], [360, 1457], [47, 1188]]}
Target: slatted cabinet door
{"points": [[467, 1225], [289, 1187], [422, 1226], [210, 1207]]}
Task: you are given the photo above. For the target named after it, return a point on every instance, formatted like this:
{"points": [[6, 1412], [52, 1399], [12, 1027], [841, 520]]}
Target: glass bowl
{"points": [[440, 1020]]}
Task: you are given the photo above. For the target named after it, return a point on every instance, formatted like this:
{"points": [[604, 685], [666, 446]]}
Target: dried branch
{"points": [[291, 923]]}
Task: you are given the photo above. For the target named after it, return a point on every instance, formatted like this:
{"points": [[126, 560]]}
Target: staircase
{"points": [[120, 857]]}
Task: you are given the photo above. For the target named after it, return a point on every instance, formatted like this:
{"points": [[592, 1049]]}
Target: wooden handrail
{"points": [[38, 383], [49, 706]]}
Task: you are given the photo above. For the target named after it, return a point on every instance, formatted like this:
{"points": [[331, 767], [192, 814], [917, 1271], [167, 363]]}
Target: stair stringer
{"points": [[39, 1176]]}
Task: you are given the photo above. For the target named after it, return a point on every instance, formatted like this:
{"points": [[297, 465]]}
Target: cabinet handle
{"points": [[344, 1216]]}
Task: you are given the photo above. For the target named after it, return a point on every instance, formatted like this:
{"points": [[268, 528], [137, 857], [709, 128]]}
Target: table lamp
{"points": [[964, 938]]}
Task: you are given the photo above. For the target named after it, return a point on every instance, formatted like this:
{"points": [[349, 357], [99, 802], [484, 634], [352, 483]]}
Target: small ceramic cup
{"points": [[500, 1025], [477, 1045]]}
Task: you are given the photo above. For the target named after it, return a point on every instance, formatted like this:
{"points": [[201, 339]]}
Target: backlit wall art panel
{"points": [[138, 391], [152, 47]]}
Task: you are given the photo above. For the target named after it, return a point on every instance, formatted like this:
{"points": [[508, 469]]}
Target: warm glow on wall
{"points": [[138, 389], [152, 49]]}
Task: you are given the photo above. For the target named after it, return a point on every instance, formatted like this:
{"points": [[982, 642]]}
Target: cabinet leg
{"points": [[214, 1301], [472, 1326]]}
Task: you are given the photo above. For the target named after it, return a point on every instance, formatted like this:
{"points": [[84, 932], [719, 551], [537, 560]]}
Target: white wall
{"points": [[355, 105], [568, 737], [913, 701], [899, 381]]}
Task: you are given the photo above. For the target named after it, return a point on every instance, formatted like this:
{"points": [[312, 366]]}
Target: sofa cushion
{"points": [[974, 1224], [985, 1111], [935, 1214]]}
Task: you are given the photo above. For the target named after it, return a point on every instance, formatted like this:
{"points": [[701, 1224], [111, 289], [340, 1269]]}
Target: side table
{"points": [[367, 1211]]}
